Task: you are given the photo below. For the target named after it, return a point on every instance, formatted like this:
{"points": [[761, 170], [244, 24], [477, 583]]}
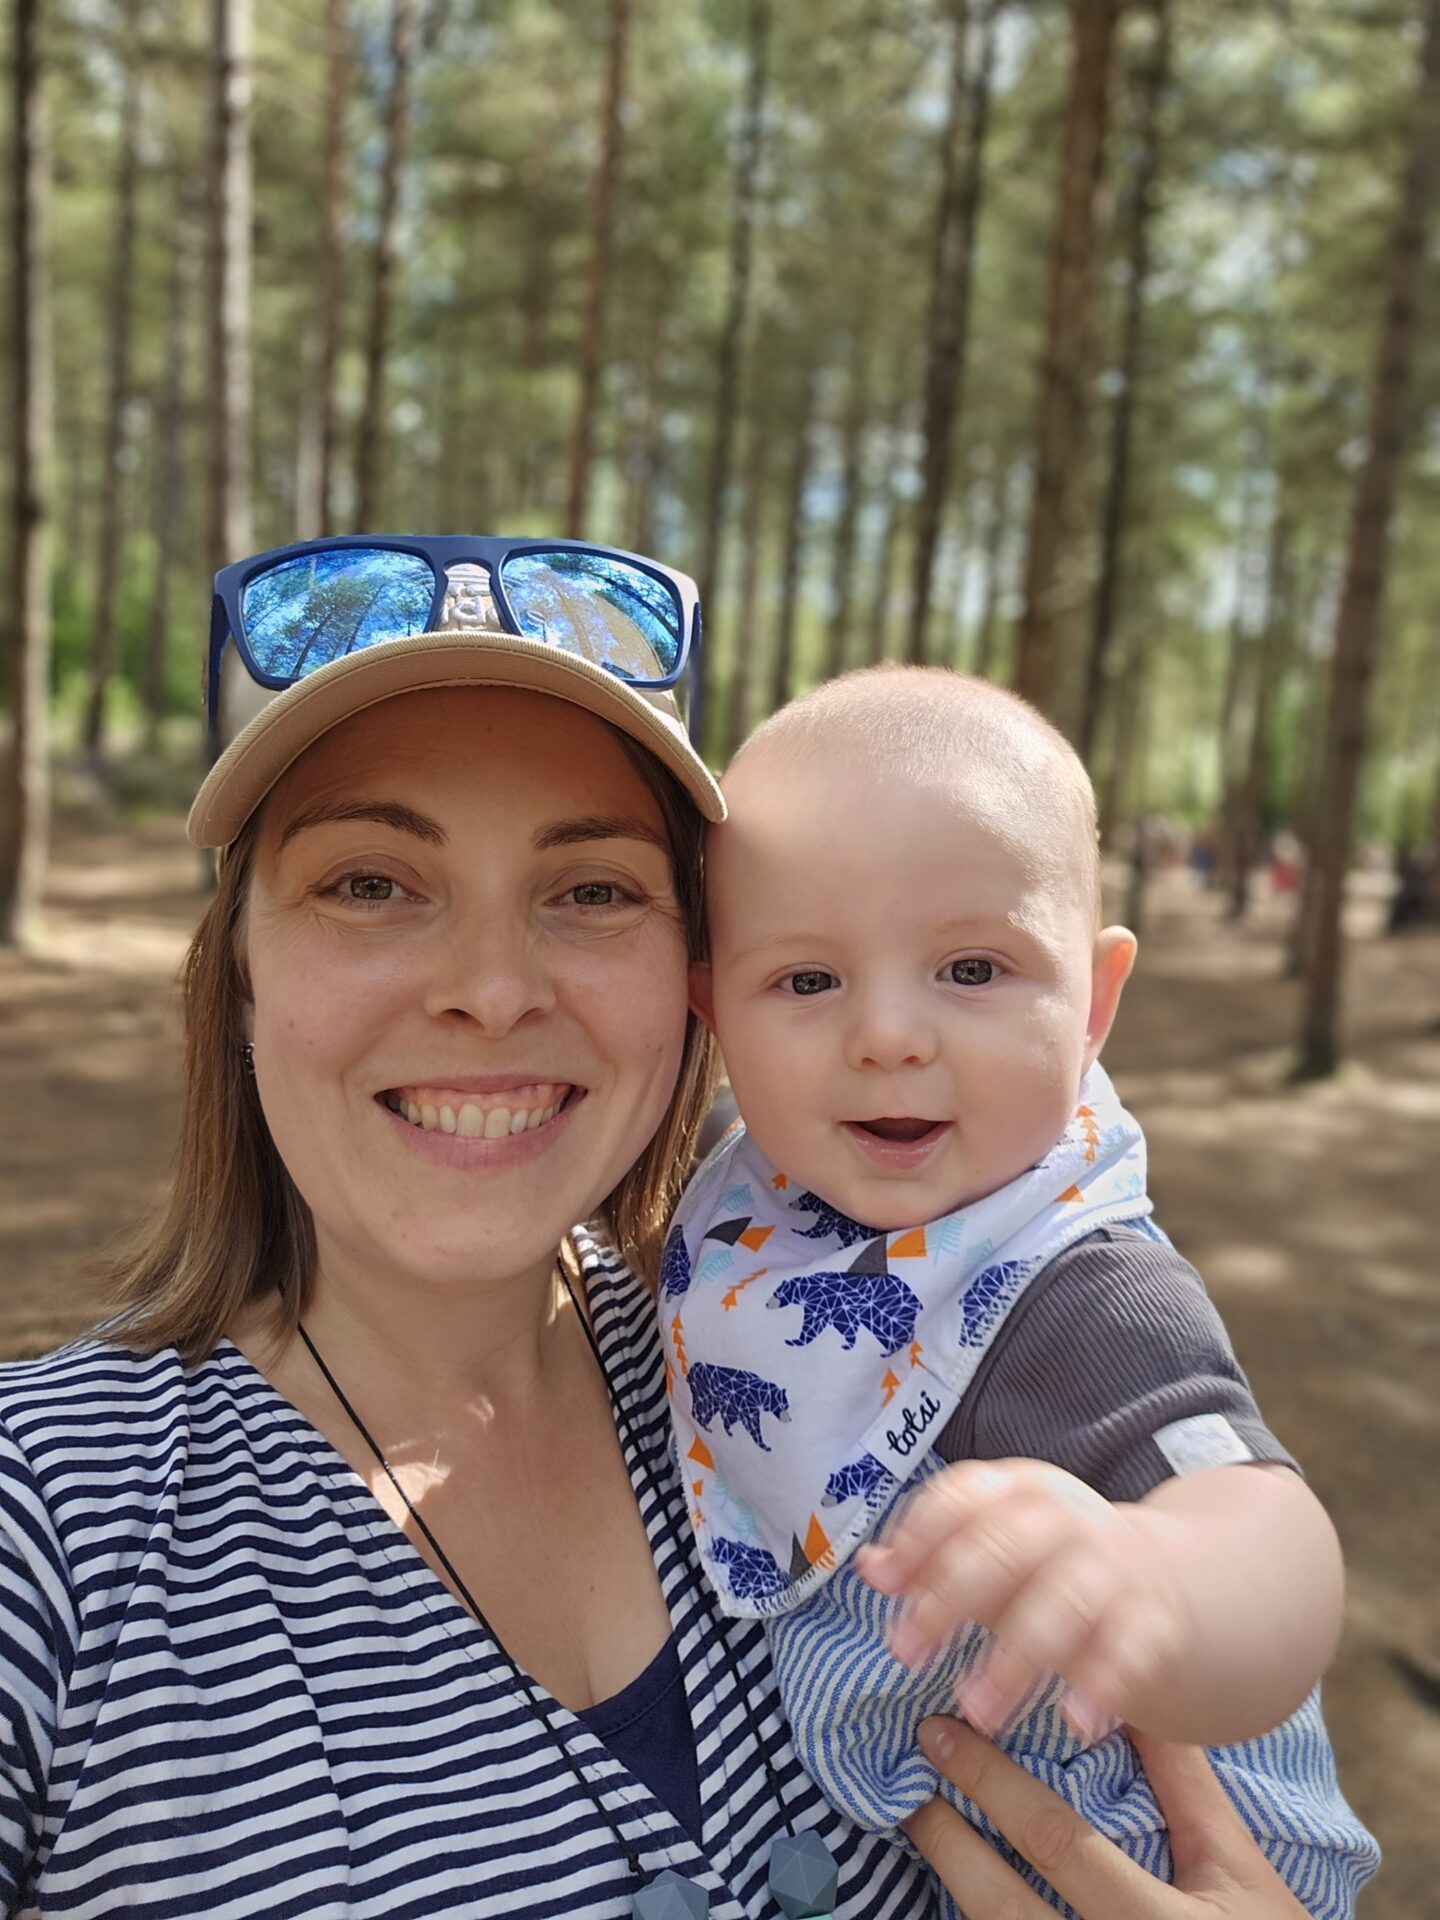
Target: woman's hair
{"points": [[233, 1229]]}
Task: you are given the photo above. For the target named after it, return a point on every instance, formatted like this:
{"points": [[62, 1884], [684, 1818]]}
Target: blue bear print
{"points": [[829, 1221], [984, 1298], [674, 1266], [862, 1476], [877, 1303], [736, 1398], [754, 1573]]}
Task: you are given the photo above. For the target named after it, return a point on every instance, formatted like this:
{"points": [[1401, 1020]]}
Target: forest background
{"points": [[1092, 345]]}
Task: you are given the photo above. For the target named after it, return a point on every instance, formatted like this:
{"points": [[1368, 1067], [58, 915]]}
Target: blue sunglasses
{"points": [[296, 609]]}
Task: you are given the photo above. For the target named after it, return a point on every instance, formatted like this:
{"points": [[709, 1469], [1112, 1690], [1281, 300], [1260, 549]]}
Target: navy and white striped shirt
{"points": [[229, 1685]]}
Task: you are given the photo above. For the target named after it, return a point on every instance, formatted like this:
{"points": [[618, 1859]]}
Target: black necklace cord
{"points": [[657, 1494], [537, 1707]]}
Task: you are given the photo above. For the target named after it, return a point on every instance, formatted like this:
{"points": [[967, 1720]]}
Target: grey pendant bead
{"points": [[670, 1896], [803, 1876]]}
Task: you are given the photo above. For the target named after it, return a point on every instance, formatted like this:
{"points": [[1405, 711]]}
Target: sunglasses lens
{"points": [[306, 612], [606, 610]]}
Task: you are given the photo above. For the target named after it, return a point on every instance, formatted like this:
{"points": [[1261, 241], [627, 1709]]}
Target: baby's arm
{"points": [[1116, 1368], [1203, 1613]]}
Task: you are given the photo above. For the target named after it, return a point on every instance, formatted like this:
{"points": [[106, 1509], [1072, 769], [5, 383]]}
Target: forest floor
{"points": [[1314, 1214]]}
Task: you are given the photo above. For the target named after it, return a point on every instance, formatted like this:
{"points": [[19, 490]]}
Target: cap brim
{"points": [[298, 716]]}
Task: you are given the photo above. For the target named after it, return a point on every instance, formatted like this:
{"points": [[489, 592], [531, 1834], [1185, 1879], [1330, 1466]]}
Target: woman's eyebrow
{"points": [[570, 833], [386, 813]]}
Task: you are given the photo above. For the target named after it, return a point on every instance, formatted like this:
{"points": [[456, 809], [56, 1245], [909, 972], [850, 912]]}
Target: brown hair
{"points": [[234, 1230]]}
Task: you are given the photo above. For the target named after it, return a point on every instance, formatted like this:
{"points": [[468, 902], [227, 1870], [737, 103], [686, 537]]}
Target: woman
{"points": [[346, 1572]]}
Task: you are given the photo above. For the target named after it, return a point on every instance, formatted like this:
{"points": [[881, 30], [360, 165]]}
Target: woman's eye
{"points": [[594, 893], [812, 980], [369, 886], [972, 973]]}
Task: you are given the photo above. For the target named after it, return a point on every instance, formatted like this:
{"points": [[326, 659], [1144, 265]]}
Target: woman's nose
{"points": [[891, 1028], [492, 972]]}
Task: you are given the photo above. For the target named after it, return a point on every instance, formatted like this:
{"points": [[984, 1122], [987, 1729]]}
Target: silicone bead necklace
{"points": [[803, 1875]]}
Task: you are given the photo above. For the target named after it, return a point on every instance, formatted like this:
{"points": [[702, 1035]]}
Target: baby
{"points": [[921, 1288]]}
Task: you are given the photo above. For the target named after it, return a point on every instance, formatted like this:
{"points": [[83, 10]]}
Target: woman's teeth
{"points": [[468, 1121]]}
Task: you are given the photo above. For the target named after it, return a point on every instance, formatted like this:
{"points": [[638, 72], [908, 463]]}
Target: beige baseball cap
{"points": [[274, 729]]}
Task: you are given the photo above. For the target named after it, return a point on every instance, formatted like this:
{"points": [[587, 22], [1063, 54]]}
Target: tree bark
{"points": [[1122, 420], [593, 343], [316, 494], [782, 683], [1357, 630], [747, 621], [168, 500], [852, 486], [370, 455], [956, 224], [1054, 585], [230, 212], [112, 466], [727, 369], [1274, 651], [24, 821]]}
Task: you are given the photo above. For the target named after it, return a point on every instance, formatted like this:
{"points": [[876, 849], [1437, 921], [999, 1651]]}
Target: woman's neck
{"points": [[490, 1343]]}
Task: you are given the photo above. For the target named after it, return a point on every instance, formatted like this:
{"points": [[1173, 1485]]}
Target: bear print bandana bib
{"points": [[812, 1362]]}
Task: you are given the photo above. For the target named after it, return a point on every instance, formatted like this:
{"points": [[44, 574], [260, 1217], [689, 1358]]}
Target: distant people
{"points": [[929, 1250]]}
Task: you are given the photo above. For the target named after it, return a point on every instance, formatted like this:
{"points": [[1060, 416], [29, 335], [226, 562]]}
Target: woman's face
{"points": [[468, 979]]}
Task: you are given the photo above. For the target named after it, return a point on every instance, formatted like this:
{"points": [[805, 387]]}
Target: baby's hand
{"points": [[1068, 1583]]}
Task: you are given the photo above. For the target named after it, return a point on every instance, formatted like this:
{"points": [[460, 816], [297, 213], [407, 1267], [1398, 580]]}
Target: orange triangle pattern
{"points": [[779, 1182], [755, 1237], [910, 1246], [701, 1454], [817, 1543], [1072, 1193]]}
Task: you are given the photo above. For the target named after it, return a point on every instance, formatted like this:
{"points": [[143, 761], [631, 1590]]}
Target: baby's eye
{"points": [[811, 980], [971, 972]]}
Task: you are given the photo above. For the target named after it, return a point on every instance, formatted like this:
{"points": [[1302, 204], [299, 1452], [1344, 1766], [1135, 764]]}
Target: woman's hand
{"points": [[1220, 1873]]}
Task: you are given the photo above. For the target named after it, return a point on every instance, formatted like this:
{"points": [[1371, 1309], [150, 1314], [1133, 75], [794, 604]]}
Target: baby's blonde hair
{"points": [[915, 721]]}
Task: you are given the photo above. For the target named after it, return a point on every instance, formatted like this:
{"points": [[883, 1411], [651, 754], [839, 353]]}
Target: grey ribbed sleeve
{"points": [[1114, 1341]]}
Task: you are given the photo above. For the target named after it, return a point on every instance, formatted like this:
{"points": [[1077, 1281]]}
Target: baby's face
{"points": [[906, 984]]}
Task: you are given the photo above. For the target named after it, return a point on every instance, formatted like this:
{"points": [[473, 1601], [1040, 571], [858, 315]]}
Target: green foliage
{"points": [[1282, 136]]}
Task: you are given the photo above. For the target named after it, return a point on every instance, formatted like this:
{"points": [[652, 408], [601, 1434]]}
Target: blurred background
{"points": [[1094, 347]]}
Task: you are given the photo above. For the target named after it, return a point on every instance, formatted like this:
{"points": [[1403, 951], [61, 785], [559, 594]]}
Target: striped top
{"points": [[229, 1685]]}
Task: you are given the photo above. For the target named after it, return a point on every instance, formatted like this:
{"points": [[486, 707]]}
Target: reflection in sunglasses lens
{"points": [[606, 610], [306, 612]]}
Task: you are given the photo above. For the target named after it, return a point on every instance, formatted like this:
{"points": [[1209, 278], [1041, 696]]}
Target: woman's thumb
{"points": [[1209, 1843]]}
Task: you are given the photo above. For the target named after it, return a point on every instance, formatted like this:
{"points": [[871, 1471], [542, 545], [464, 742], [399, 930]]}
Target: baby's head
{"points": [[908, 977]]}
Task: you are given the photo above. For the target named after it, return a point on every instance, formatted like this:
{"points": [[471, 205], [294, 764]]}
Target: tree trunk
{"points": [[645, 457], [112, 466], [1357, 628], [1122, 420], [230, 205], [1248, 821], [315, 487], [727, 368], [370, 456], [168, 501], [24, 820], [1002, 481], [852, 485], [593, 345], [957, 220], [782, 683], [1054, 584], [879, 647], [747, 619]]}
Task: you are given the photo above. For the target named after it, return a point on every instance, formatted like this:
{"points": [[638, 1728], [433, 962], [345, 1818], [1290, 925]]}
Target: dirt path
{"points": [[1314, 1215]]}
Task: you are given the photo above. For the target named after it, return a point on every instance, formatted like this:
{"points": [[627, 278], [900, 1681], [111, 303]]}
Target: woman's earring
{"points": [[247, 1059]]}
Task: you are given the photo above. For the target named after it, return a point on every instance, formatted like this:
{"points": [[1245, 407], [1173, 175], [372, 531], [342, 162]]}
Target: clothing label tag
{"points": [[911, 1423], [1204, 1440]]}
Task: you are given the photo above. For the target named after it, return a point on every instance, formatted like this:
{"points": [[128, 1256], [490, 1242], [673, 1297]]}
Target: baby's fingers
{"points": [[1044, 1630], [940, 1508]]}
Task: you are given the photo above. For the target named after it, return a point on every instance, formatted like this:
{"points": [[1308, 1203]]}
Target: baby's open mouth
{"points": [[479, 1116], [899, 1129]]}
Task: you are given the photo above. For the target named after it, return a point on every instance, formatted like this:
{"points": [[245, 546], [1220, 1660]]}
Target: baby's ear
{"points": [[1115, 951], [702, 993]]}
